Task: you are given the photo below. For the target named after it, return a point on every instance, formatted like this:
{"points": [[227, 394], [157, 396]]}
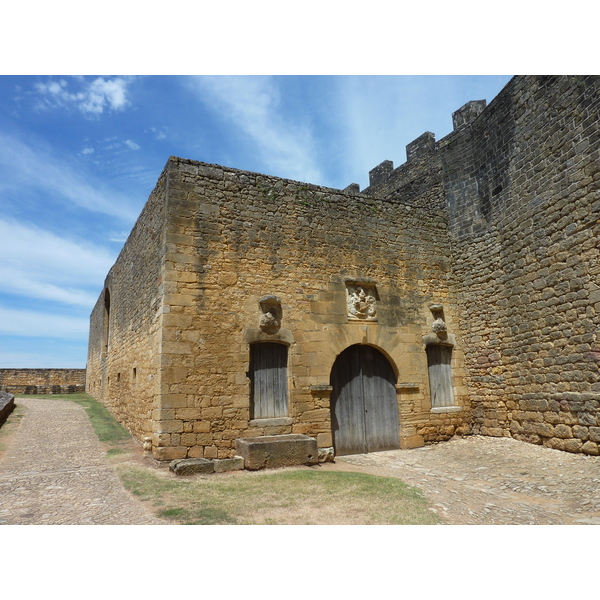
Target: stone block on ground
{"points": [[7, 405], [191, 466], [326, 454], [272, 451], [222, 465]]}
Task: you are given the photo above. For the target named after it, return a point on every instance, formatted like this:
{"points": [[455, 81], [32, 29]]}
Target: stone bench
{"points": [[272, 451], [7, 405]]}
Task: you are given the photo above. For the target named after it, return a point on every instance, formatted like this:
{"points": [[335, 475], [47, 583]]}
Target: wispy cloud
{"points": [[38, 324], [92, 98], [38, 264], [253, 105], [24, 166], [131, 145], [159, 133]]}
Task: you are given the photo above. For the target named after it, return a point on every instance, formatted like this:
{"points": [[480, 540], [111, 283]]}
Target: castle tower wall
{"points": [[520, 179]]}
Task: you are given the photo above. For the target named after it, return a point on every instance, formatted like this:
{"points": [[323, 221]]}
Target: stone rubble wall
{"points": [[520, 180], [42, 381], [125, 374]]}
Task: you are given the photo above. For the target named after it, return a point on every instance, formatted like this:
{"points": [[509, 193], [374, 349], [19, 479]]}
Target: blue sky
{"points": [[79, 156]]}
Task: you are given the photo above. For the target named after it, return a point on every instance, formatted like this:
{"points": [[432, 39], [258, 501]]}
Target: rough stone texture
{"points": [[520, 181], [192, 466], [223, 465], [7, 405], [496, 223], [277, 451], [42, 381], [326, 454], [124, 356], [231, 238]]}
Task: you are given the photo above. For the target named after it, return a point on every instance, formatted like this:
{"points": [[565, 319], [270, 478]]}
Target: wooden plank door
{"points": [[440, 375], [268, 373], [381, 407], [363, 402], [347, 404]]}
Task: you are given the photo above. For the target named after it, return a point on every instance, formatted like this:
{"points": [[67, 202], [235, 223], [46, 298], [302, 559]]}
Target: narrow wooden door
{"points": [[364, 411], [269, 381], [440, 375]]}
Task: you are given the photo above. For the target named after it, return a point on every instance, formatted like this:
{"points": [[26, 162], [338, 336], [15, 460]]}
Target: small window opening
{"points": [[106, 318]]}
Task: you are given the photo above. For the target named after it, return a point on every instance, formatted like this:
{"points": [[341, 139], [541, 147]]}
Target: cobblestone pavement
{"points": [[55, 472], [485, 481]]}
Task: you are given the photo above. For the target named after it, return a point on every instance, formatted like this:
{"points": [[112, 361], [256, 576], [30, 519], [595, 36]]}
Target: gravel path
{"points": [[55, 472], [490, 481]]}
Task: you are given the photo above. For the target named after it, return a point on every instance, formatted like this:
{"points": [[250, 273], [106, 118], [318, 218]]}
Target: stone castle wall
{"points": [[520, 180], [497, 222], [42, 381], [234, 237], [124, 360]]}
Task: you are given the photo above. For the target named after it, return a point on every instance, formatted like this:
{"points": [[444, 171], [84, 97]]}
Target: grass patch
{"points": [[289, 497], [116, 452], [104, 424]]}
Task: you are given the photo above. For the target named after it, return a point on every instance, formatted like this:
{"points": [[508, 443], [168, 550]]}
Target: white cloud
{"points": [[93, 97], [38, 264], [252, 104], [24, 166], [87, 151]]}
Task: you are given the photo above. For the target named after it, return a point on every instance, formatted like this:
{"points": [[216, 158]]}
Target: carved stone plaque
{"points": [[362, 302]]}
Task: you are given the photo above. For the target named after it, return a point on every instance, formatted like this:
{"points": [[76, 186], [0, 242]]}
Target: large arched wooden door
{"points": [[364, 410]]}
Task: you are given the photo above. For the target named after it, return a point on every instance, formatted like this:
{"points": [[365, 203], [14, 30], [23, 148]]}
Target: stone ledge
{"points": [[315, 389], [274, 422], [446, 409]]}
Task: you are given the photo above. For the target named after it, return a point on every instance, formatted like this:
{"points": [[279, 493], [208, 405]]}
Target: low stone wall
{"points": [[42, 381]]}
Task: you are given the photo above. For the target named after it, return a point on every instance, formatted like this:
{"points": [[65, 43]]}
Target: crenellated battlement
{"points": [[384, 177]]}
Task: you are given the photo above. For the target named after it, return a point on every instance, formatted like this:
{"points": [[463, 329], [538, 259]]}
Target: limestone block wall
{"points": [[124, 362], [235, 237], [42, 381], [531, 273], [520, 181]]}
